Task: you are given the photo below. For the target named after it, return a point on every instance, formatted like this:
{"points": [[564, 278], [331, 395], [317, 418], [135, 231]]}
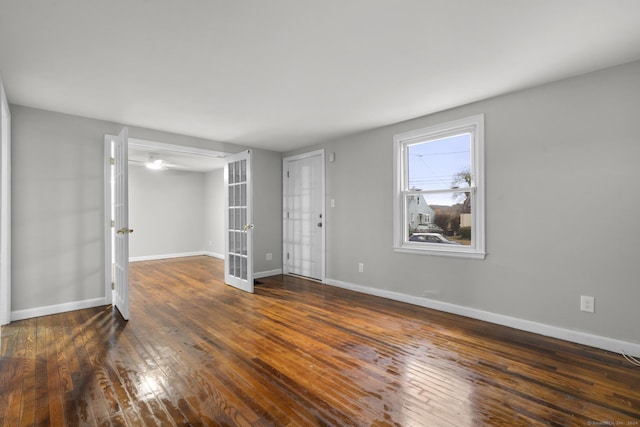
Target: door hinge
{"points": [[113, 161], [287, 174], [287, 255], [113, 286], [287, 215], [113, 223]]}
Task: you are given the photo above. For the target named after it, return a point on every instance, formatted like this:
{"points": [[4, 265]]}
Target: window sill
{"points": [[472, 254]]}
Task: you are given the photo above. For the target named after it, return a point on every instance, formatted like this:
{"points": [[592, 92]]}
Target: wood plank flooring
{"points": [[296, 353]]}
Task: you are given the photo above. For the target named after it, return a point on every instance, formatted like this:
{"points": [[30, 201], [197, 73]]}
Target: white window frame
{"points": [[473, 125]]}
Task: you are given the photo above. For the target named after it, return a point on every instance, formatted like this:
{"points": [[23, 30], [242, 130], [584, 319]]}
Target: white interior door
{"points": [[5, 209], [304, 219], [238, 268], [121, 223]]}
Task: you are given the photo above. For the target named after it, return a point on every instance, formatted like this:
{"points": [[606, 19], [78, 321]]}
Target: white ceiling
{"points": [[282, 74]]}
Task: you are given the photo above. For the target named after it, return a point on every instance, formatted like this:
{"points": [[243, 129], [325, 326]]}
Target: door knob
{"points": [[319, 224], [247, 227], [125, 231]]}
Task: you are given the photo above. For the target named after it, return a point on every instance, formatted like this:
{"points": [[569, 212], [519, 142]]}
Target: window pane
{"points": [[440, 164], [231, 172], [243, 267], [439, 181], [243, 194], [231, 196], [232, 242], [232, 265], [439, 218]]}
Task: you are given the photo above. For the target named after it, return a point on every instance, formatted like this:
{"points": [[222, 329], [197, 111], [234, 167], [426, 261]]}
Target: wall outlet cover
{"points": [[587, 303]]}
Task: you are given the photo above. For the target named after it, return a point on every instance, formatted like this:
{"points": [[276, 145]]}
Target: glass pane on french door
{"points": [[237, 179]]}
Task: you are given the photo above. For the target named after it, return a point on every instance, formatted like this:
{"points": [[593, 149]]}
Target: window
{"points": [[439, 176]]}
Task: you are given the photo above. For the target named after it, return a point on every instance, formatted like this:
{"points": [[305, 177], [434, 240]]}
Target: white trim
{"points": [[305, 155], [578, 337], [108, 260], [180, 255], [165, 256], [58, 308], [474, 125], [285, 194], [176, 148], [213, 255], [261, 274], [459, 253], [5, 208]]}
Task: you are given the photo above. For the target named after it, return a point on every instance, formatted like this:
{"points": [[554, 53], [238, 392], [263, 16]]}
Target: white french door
{"points": [[121, 228], [304, 215], [238, 260], [5, 209]]}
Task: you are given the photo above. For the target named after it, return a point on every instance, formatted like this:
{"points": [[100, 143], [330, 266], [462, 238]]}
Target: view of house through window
{"points": [[439, 196], [439, 180]]}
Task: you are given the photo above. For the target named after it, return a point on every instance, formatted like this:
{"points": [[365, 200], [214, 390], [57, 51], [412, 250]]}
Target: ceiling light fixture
{"points": [[155, 162]]}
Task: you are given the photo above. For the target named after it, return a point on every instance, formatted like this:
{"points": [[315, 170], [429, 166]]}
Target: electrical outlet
{"points": [[587, 303], [361, 267], [269, 257]]}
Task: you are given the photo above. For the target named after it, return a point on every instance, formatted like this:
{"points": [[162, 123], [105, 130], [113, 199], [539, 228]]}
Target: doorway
{"points": [[175, 201], [172, 164], [304, 215]]}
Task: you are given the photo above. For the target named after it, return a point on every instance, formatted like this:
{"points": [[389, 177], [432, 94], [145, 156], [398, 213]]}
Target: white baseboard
{"points": [[58, 308], [598, 341], [256, 275], [180, 255], [165, 256], [214, 255], [261, 274]]}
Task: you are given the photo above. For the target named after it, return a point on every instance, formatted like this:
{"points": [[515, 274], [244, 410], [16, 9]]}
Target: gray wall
{"points": [[57, 208], [58, 204], [213, 237], [167, 211], [555, 154], [267, 210]]}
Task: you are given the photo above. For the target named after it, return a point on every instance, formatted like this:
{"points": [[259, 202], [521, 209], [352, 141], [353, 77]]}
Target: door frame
{"points": [[285, 198], [185, 149], [5, 209], [108, 259]]}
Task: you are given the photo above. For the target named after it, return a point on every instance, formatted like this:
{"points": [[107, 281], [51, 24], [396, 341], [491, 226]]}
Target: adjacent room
{"points": [[319, 213], [176, 200]]}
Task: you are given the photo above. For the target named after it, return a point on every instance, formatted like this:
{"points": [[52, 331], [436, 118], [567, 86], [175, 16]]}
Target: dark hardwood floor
{"points": [[198, 352]]}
